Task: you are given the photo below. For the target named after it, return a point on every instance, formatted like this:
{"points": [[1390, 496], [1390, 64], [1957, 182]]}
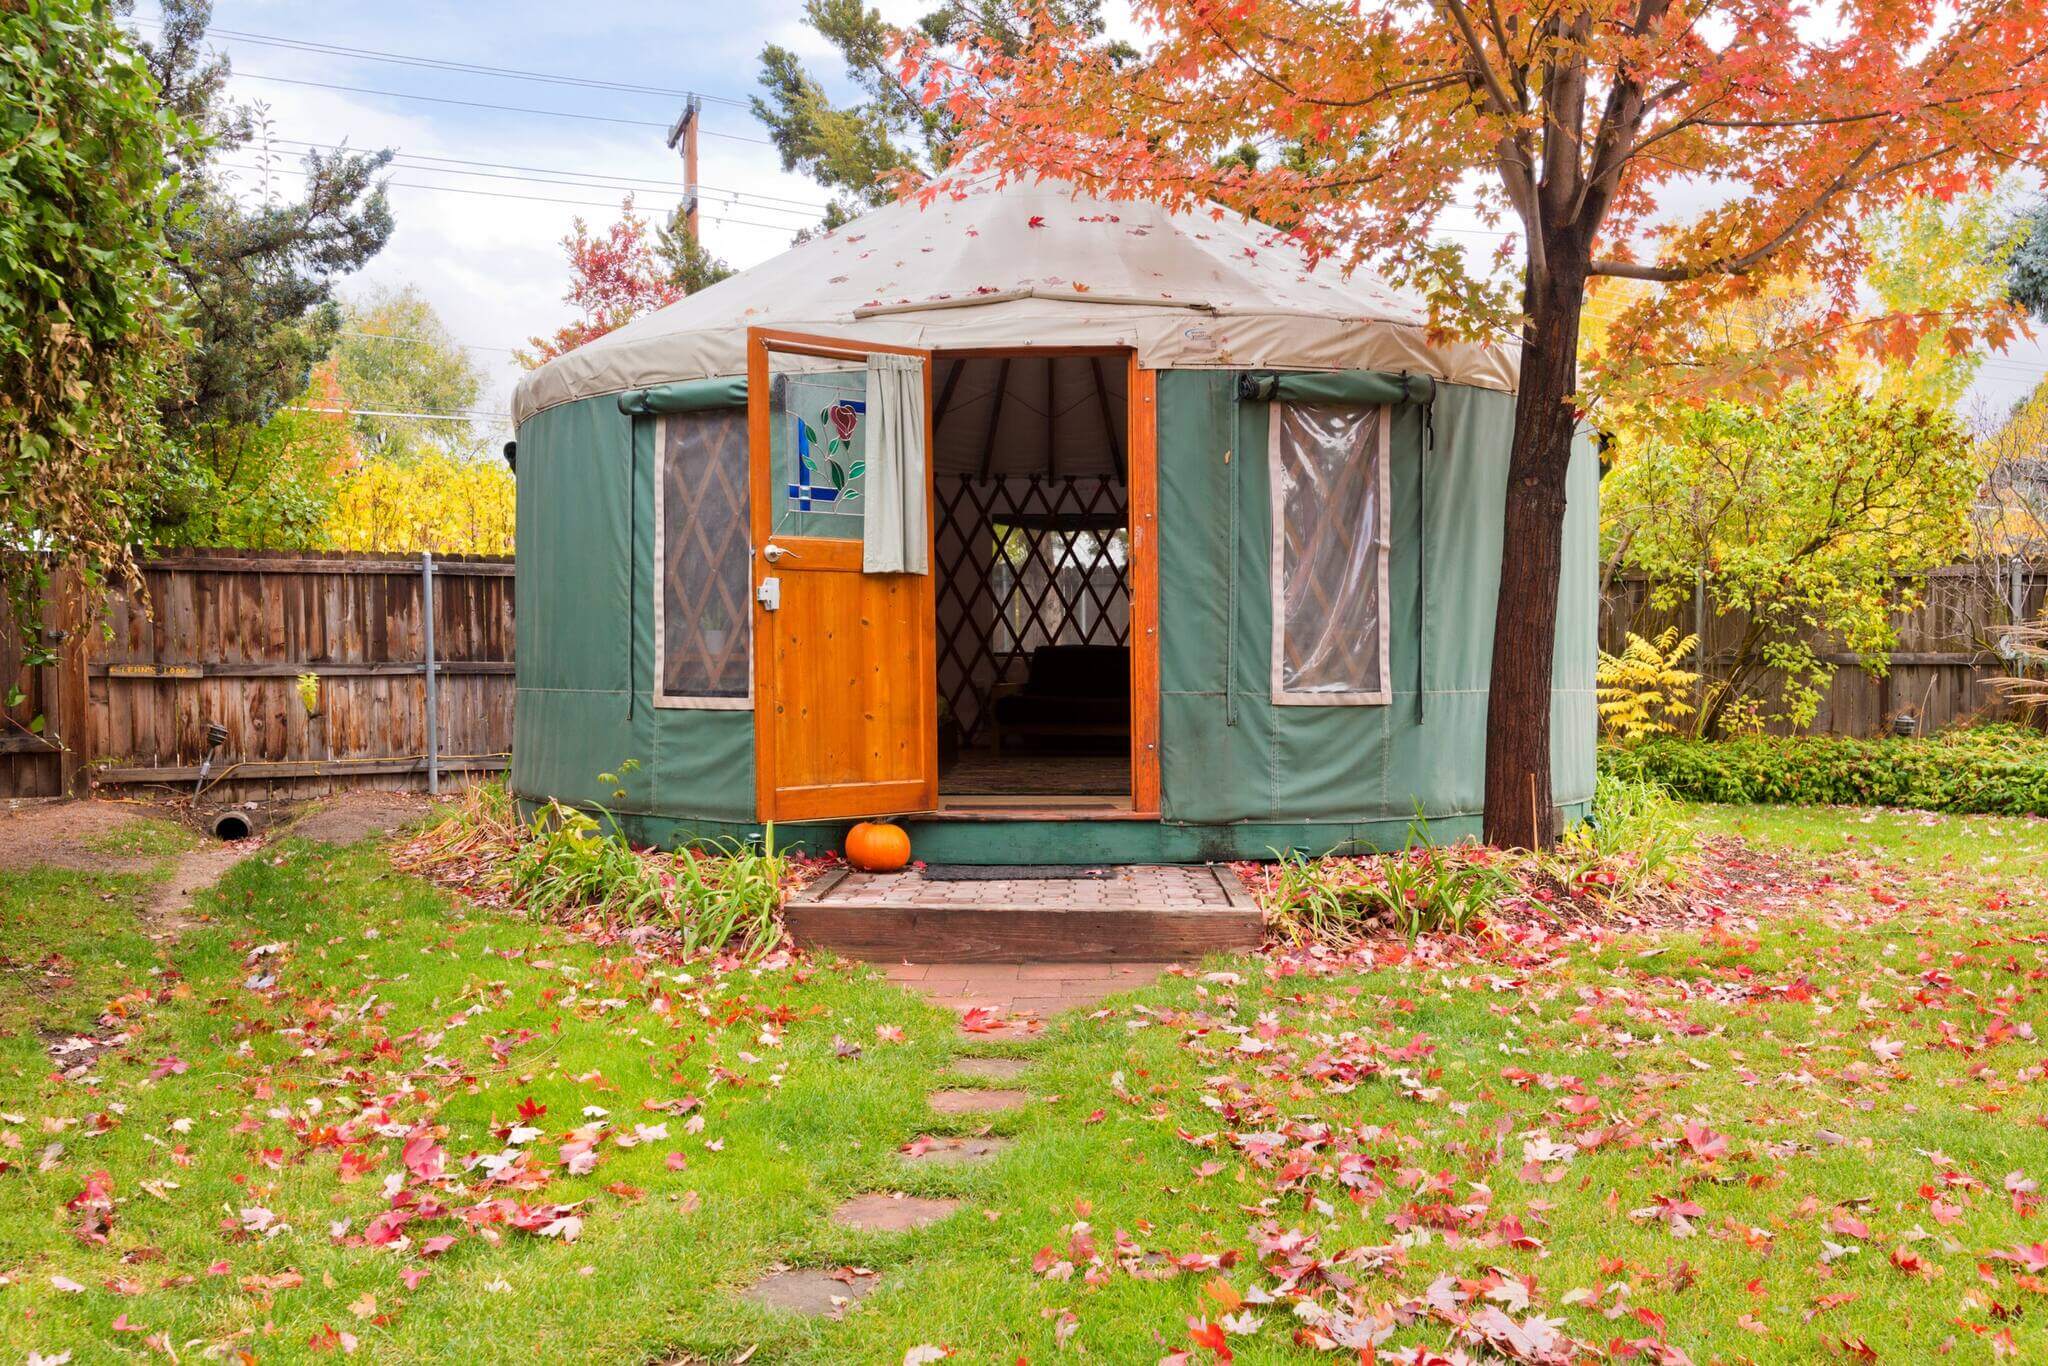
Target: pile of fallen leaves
{"points": [[1519, 889]]}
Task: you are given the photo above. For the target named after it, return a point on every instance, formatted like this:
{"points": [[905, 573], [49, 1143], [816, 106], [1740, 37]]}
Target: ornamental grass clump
{"points": [[1633, 843], [569, 864], [1424, 889], [1627, 856]]}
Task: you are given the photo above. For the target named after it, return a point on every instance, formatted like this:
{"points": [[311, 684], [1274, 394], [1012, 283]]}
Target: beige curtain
{"points": [[894, 535]]}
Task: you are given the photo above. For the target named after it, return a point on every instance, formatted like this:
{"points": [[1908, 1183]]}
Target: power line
{"points": [[459, 415], [498, 108], [427, 341], [612, 176], [412, 162], [504, 194], [446, 64], [608, 176]]}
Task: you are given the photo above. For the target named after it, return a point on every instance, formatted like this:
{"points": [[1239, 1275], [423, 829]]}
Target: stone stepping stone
{"points": [[1010, 1031], [982, 1022], [952, 1152], [811, 1290], [991, 1069], [881, 1213], [977, 1102]]}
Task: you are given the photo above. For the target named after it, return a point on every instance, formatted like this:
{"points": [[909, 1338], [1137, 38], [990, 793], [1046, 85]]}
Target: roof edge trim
{"points": [[1004, 296]]}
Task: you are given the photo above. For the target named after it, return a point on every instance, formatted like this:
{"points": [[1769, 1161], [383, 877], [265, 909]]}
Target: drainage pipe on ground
{"points": [[233, 825]]}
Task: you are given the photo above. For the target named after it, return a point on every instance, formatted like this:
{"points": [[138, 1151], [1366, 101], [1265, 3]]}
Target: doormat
{"points": [[1016, 872]]}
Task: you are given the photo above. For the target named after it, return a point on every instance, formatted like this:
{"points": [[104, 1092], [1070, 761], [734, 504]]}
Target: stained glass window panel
{"points": [[818, 423]]}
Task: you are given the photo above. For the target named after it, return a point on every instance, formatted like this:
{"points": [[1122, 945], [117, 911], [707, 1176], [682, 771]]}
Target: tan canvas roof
{"points": [[1035, 265]]}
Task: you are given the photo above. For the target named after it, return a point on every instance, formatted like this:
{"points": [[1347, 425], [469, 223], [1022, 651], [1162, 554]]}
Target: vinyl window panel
{"points": [[1331, 496]]}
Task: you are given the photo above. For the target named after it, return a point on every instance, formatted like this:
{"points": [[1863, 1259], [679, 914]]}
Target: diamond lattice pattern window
{"points": [[1330, 527], [704, 621]]}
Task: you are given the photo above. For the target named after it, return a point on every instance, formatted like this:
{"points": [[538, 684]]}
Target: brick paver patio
{"points": [[1136, 914], [1031, 989]]}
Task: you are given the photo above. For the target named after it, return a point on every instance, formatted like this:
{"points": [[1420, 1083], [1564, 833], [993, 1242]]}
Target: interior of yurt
{"points": [[1057, 529]]}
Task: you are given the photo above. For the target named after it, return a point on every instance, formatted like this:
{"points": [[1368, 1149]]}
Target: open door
{"points": [[845, 680]]}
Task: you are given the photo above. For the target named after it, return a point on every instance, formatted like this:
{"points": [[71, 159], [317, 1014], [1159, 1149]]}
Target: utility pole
{"points": [[684, 131]]}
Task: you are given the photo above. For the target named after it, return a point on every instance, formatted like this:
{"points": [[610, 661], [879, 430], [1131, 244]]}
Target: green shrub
{"points": [[1996, 770]]}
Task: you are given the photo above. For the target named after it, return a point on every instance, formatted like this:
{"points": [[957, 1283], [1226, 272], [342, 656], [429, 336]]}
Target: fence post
{"points": [[1699, 637], [73, 718], [433, 697]]}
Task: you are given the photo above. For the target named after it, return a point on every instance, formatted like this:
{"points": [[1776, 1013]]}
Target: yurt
{"points": [[1059, 530]]}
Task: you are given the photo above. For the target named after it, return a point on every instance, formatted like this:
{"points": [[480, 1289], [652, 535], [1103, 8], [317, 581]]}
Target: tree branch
{"points": [[1747, 261]]}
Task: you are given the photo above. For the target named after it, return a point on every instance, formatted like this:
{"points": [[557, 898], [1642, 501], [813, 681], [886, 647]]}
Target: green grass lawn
{"points": [[1841, 1110]]}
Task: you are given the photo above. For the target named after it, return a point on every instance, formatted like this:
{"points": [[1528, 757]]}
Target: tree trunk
{"points": [[1520, 811]]}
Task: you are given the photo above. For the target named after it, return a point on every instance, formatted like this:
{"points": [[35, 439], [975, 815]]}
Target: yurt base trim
{"points": [[1050, 841]]}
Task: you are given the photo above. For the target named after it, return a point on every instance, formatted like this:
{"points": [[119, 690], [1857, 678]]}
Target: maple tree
{"points": [[1568, 118], [630, 268], [614, 277]]}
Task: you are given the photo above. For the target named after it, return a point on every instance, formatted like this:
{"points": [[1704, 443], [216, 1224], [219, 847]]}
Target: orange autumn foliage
{"points": [[1704, 147], [1572, 123]]}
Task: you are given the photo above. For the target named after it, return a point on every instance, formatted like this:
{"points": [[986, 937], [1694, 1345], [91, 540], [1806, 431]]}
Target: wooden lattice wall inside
{"points": [[1024, 561]]}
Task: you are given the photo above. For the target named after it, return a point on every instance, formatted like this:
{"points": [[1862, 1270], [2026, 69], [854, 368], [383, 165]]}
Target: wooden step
{"points": [[1144, 914]]}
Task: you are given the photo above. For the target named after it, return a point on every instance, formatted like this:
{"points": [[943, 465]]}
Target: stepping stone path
{"points": [[996, 1002], [878, 1213], [991, 1069], [810, 1290], [977, 1102], [952, 1152]]}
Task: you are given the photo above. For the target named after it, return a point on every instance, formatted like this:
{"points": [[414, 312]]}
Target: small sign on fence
{"points": [[155, 671]]}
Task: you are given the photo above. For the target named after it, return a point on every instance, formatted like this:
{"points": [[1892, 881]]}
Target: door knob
{"points": [[772, 552]]}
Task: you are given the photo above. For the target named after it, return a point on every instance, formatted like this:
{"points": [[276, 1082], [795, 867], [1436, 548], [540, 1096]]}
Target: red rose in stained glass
{"points": [[843, 419]]}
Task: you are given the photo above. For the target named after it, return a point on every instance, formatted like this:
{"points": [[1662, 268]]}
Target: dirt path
{"points": [[41, 834], [85, 835]]}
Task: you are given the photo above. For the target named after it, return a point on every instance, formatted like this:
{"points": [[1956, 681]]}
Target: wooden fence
{"points": [[222, 642], [130, 700], [1947, 645]]}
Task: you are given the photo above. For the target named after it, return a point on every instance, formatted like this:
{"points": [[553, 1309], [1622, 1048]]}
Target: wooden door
{"points": [[845, 674]]}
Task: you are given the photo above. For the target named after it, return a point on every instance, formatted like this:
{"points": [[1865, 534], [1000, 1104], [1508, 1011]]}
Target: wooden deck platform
{"points": [[1145, 913]]}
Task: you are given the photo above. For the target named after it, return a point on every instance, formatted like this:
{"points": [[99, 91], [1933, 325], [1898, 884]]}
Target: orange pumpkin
{"points": [[877, 847]]}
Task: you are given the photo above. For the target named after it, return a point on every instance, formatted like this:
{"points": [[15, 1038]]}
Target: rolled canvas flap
{"points": [[688, 396], [1336, 386]]}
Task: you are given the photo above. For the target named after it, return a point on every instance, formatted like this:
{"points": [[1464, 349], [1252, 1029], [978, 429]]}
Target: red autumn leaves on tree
{"points": [[1578, 124], [614, 277]]}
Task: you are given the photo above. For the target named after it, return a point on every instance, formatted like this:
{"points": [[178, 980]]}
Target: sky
{"points": [[482, 239]]}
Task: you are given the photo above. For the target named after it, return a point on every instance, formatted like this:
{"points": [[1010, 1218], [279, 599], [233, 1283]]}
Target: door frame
{"points": [[1141, 516], [1141, 491], [761, 518]]}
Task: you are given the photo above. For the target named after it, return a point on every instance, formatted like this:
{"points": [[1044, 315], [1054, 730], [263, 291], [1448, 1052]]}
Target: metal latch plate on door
{"points": [[769, 594]]}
